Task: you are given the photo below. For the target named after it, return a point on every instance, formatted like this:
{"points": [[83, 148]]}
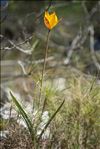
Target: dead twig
{"points": [[95, 61], [79, 40], [73, 47], [29, 52]]}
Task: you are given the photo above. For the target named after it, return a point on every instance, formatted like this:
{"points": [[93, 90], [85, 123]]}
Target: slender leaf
{"points": [[49, 121], [24, 115]]}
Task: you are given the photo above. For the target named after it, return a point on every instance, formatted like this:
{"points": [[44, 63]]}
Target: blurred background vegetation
{"points": [[21, 22]]}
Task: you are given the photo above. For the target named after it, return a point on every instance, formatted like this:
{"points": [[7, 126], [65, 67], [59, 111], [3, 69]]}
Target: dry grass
{"points": [[76, 125]]}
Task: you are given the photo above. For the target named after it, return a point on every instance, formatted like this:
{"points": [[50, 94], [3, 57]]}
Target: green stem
{"points": [[42, 78], [44, 66]]}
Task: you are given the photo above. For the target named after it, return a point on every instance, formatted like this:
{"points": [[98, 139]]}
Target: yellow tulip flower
{"points": [[50, 20]]}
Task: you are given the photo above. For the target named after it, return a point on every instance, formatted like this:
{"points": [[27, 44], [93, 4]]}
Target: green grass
{"points": [[78, 123]]}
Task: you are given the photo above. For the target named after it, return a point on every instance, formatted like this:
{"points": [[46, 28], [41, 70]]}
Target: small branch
{"points": [[26, 40], [79, 40], [93, 11], [22, 67], [73, 47], [17, 45], [13, 62], [96, 63], [29, 52]]}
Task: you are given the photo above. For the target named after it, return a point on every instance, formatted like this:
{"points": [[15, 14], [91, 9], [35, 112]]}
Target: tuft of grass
{"points": [[78, 123]]}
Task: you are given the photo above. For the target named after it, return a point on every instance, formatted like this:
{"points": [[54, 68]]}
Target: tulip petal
{"points": [[50, 20]]}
